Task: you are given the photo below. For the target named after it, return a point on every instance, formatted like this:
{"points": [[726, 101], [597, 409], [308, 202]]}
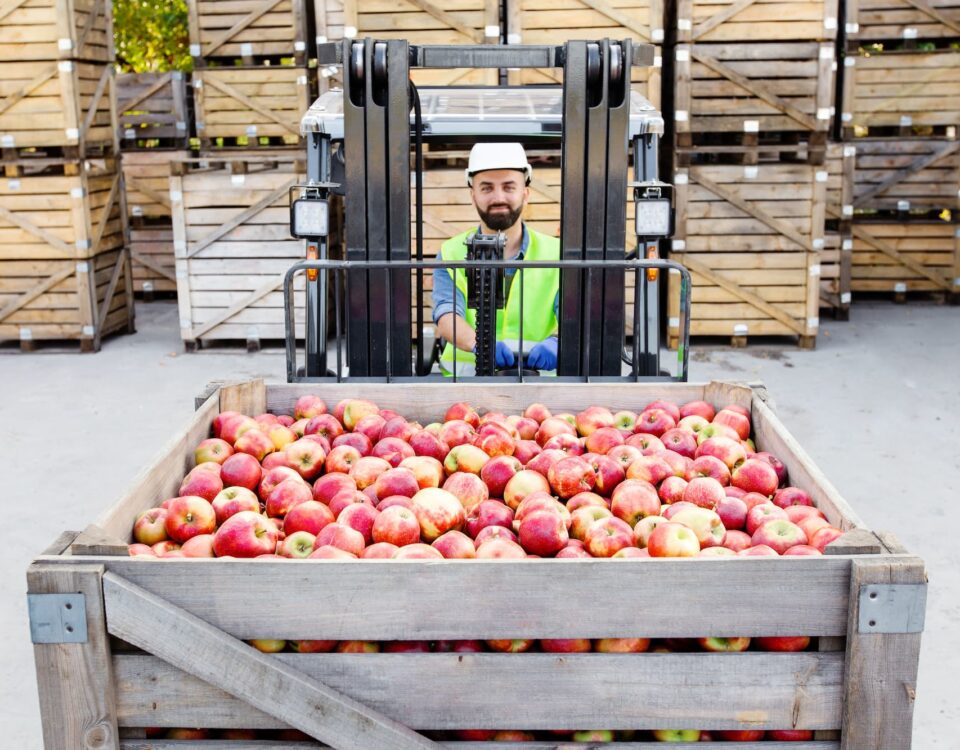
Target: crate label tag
{"points": [[491, 32], [906, 121], [681, 178], [740, 329], [181, 125], [910, 33], [136, 210], [899, 287], [246, 49], [349, 31], [251, 129], [826, 51], [750, 172], [847, 245], [301, 80], [903, 205], [813, 322], [815, 270], [129, 133], [849, 151], [683, 55], [176, 196], [198, 83], [83, 244], [848, 210], [657, 61], [321, 39], [834, 67], [194, 50], [76, 192], [956, 281], [656, 35], [147, 286], [83, 267], [26, 334], [817, 243], [678, 245], [829, 23], [89, 331], [674, 322], [847, 117], [299, 46], [237, 179], [853, 28], [514, 38], [823, 113], [751, 126], [64, 45], [73, 134], [65, 66], [186, 323], [13, 184], [845, 298], [682, 115], [7, 141], [684, 24], [821, 176]]}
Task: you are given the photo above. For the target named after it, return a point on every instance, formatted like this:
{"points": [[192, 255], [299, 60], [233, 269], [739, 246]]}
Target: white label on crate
{"points": [[251, 130], [829, 23], [186, 323], [951, 132], [751, 126], [681, 178], [684, 24], [849, 151], [899, 287], [847, 245], [834, 66], [321, 39], [847, 210], [136, 210], [656, 35], [846, 117], [491, 31], [7, 141], [82, 244], [833, 110], [65, 66], [682, 115], [751, 171], [13, 184], [176, 75], [853, 28], [328, 71], [237, 179], [683, 55], [88, 330], [956, 281], [815, 270], [849, 62], [813, 322], [64, 44], [299, 46], [76, 192], [817, 243], [823, 113], [678, 245], [26, 334], [72, 134], [148, 286], [246, 49], [253, 332], [821, 176], [181, 125], [826, 52], [657, 61], [674, 322], [82, 267], [129, 133], [740, 329], [181, 273], [176, 196], [198, 83], [906, 121], [910, 33], [903, 205], [349, 31], [301, 80], [194, 50], [845, 298]]}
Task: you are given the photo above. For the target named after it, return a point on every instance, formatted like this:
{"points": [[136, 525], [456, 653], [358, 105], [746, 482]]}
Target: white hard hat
{"points": [[486, 156]]}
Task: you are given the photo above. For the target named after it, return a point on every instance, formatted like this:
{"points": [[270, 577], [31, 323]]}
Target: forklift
{"points": [[359, 142]]}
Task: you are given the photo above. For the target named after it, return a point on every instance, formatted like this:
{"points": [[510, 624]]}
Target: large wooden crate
{"points": [[152, 109], [902, 257], [751, 88], [131, 672], [231, 231], [902, 19], [751, 237], [62, 104], [901, 89], [250, 103], [761, 21], [328, 24], [434, 22], [248, 30], [64, 273], [56, 30]]}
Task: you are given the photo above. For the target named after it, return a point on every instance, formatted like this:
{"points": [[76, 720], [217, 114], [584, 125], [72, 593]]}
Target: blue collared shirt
{"points": [[447, 298]]}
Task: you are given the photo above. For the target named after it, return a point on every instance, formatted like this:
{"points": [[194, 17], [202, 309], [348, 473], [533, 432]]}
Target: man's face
{"points": [[499, 196]]}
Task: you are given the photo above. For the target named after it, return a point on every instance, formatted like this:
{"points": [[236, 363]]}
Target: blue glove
{"points": [[503, 356], [544, 355]]}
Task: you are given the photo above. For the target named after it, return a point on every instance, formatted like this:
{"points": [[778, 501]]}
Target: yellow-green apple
{"points": [[526, 450], [671, 489], [754, 475], [783, 643], [552, 426], [465, 457], [537, 412], [188, 516], [511, 646], [370, 426], [162, 549], [494, 532], [759, 550], [396, 525], [150, 526], [256, 443], [542, 462], [727, 450], [456, 432], [356, 409], [733, 512], [736, 540], [569, 444], [699, 408], [655, 422], [494, 440], [462, 410], [717, 552], [232, 500], [606, 537], [488, 513], [399, 481], [789, 496], [582, 518], [760, 514], [381, 550], [298, 545], [310, 516], [498, 548], [438, 512], [361, 517], [312, 646], [280, 436], [358, 440], [342, 537], [680, 441], [497, 472], [714, 430], [704, 491], [608, 473], [650, 468], [455, 545], [418, 551], [358, 647], [522, 484], [776, 463], [734, 419], [330, 485], [203, 484], [468, 488], [634, 499], [646, 443], [673, 540], [543, 532], [625, 421], [693, 423], [676, 735], [367, 469], [392, 450], [287, 495], [624, 455], [566, 645], [592, 735], [717, 644], [789, 735], [309, 406], [427, 470], [592, 419], [330, 552], [246, 534], [571, 475], [348, 497], [705, 523], [427, 444], [233, 427], [584, 499], [801, 550], [644, 528], [214, 450], [779, 534], [822, 537]]}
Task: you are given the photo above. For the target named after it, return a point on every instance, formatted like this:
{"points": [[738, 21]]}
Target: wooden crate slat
{"points": [[904, 247], [152, 106], [744, 20], [56, 30], [247, 29], [921, 173], [902, 19]]}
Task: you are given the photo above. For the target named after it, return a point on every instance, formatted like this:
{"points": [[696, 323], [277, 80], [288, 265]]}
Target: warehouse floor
{"points": [[876, 405]]}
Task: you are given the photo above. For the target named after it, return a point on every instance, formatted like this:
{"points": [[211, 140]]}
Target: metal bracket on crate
{"points": [[892, 608], [57, 618]]}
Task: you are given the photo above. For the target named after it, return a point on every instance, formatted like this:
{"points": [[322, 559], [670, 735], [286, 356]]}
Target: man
{"points": [[498, 176]]}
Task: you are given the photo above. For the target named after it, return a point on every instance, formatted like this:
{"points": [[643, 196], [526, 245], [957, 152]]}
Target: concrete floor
{"points": [[876, 405]]}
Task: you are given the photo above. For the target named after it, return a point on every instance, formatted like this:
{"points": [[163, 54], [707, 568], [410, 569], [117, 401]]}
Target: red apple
{"points": [[233, 427], [779, 534], [582, 518], [571, 445], [699, 408], [797, 513], [342, 537], [705, 492], [488, 513], [606, 537], [760, 514], [397, 481], [233, 500], [801, 550], [426, 443], [671, 489], [393, 450], [734, 419], [634, 499], [709, 466], [706, 524], [287, 495], [367, 469], [203, 484], [552, 426], [543, 533], [754, 475], [396, 525], [393, 501], [468, 488], [736, 540], [608, 472], [245, 534], [733, 512], [583, 499], [729, 451], [309, 406], [542, 462], [644, 528], [673, 540], [438, 512], [497, 472], [141, 550], [790, 496], [604, 439], [309, 516], [495, 532], [646, 443], [382, 550], [514, 646], [330, 485], [789, 735], [566, 645], [427, 470], [522, 484], [655, 422], [592, 419], [776, 463], [822, 537], [462, 410], [348, 497], [456, 432], [668, 406], [759, 550], [188, 516], [455, 545], [536, 412], [417, 551], [398, 427], [526, 450], [330, 552], [571, 475], [783, 643], [498, 547], [272, 477]]}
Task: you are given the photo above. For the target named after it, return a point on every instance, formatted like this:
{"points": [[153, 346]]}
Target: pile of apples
{"points": [[364, 482]]}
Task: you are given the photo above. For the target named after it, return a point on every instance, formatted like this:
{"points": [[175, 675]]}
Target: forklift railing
{"points": [[641, 355]]}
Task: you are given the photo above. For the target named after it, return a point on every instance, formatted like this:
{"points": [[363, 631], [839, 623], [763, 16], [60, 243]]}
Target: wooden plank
{"points": [[118, 271], [925, 7], [860, 233], [243, 23], [240, 305], [233, 93], [153, 265], [718, 18], [81, 710], [38, 290], [94, 541], [148, 622], [247, 397], [43, 234], [939, 151]]}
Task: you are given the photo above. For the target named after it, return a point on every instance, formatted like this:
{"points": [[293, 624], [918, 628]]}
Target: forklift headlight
{"points": [[309, 218], [653, 203]]}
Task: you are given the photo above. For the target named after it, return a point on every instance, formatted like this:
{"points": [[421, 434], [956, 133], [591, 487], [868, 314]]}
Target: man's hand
{"points": [[503, 356], [544, 355]]}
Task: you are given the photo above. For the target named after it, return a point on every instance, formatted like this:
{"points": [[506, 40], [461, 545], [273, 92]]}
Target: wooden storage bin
{"points": [[249, 30], [434, 22], [250, 103], [902, 257], [901, 89], [770, 21], [328, 25], [56, 30], [231, 231], [751, 238], [856, 691], [152, 108], [754, 88], [63, 269], [62, 104], [901, 19]]}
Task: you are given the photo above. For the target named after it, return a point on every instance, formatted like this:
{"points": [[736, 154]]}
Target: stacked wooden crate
{"points": [[64, 273], [749, 115], [154, 120], [901, 112]]}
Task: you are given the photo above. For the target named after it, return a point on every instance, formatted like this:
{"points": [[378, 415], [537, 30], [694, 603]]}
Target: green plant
{"points": [[151, 35]]}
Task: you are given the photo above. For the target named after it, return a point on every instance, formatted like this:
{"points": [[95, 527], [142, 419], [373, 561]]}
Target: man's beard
{"points": [[501, 220]]}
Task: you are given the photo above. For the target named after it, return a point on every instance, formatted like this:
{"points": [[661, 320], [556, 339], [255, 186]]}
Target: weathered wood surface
{"points": [[756, 20], [902, 19], [248, 29], [56, 30], [905, 257], [907, 175], [152, 106]]}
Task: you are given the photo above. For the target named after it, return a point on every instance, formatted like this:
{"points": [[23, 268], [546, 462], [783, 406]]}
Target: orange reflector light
{"points": [[652, 255], [311, 255]]}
